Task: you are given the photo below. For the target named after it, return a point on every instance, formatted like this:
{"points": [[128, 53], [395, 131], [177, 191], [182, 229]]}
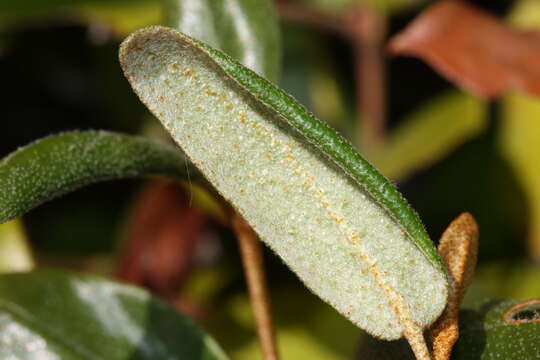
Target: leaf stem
{"points": [[295, 12], [367, 31], [251, 251]]}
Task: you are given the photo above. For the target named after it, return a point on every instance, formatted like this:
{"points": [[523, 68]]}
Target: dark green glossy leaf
{"points": [[57, 315], [61, 163], [247, 30], [339, 224]]}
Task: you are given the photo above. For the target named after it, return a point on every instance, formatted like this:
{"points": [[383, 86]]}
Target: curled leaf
{"points": [[339, 224], [62, 163], [473, 49], [459, 250]]}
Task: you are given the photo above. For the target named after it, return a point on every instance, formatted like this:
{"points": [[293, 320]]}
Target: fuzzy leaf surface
{"points": [[58, 315], [339, 224], [246, 30], [58, 164]]}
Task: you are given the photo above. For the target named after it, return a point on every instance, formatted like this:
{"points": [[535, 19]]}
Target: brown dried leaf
{"points": [[162, 237], [458, 249], [473, 49]]}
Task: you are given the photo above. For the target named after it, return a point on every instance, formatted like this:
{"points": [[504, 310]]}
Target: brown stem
{"points": [[367, 29], [251, 251], [291, 10]]}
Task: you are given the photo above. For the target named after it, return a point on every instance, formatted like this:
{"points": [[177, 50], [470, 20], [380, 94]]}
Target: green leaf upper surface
{"points": [[57, 315], [485, 335], [247, 30], [61, 163], [339, 224]]}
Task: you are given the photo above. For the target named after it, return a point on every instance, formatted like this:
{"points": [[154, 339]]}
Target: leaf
{"points": [[122, 16], [519, 134], [519, 141], [58, 315], [418, 141], [246, 30], [344, 6], [473, 49], [500, 330], [58, 164], [163, 234], [15, 253], [339, 224]]}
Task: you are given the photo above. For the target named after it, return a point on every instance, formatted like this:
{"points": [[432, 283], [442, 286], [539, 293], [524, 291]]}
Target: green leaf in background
{"points": [[15, 252], [246, 30], [343, 6], [418, 141], [520, 144], [503, 280], [307, 327], [122, 16], [62, 163], [520, 132], [58, 315], [351, 250]]}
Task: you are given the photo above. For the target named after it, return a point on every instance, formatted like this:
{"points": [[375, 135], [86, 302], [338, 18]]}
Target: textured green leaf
{"points": [[339, 224], [15, 253], [487, 334], [419, 142], [58, 164], [57, 315], [246, 30]]}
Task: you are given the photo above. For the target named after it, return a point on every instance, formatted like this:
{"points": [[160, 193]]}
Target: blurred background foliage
{"points": [[447, 150]]}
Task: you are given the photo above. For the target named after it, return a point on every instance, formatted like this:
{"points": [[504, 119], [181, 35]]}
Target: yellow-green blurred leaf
{"points": [[520, 145], [121, 17], [306, 328], [341, 6], [503, 280], [431, 133], [526, 14], [14, 251], [520, 133]]}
